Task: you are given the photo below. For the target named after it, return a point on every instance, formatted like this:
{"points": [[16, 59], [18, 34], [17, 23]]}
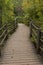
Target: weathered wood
{"points": [[36, 33], [4, 33], [41, 33], [0, 51], [3, 36], [34, 26], [19, 50], [16, 23], [38, 40], [31, 29], [2, 27], [41, 40]]}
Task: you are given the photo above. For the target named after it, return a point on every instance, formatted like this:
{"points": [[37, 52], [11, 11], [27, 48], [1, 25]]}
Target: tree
{"points": [[0, 13], [7, 10]]}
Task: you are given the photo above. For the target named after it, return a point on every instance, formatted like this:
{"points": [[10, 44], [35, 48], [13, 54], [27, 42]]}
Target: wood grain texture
{"points": [[19, 50]]}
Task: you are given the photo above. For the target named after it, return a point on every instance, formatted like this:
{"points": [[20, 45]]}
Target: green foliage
{"points": [[34, 8], [28, 8], [7, 11], [1, 13], [7, 8]]}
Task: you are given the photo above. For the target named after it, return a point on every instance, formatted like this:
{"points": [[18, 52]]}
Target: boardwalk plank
{"points": [[19, 50]]}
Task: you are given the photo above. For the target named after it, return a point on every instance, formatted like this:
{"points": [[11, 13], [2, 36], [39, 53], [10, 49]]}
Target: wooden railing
{"points": [[4, 33], [37, 35], [12, 26], [16, 23]]}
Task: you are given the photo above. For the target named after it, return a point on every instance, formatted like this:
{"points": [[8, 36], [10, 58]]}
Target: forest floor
{"points": [[19, 50]]}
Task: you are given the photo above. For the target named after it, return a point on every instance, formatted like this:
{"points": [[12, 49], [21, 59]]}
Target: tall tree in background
{"points": [[8, 10], [0, 13]]}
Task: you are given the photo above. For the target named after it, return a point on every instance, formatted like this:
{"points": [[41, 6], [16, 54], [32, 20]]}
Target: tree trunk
{"points": [[0, 13]]}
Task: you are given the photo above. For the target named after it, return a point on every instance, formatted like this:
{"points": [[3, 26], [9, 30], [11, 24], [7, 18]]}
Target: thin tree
{"points": [[0, 13]]}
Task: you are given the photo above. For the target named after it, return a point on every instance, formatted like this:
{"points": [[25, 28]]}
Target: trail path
{"points": [[19, 50]]}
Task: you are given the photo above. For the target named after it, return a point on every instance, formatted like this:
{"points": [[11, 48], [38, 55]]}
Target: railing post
{"points": [[38, 40], [0, 51], [31, 29], [0, 47], [0, 42], [6, 31], [15, 24]]}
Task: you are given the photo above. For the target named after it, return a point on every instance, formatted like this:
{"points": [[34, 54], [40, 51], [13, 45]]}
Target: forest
{"points": [[23, 10]]}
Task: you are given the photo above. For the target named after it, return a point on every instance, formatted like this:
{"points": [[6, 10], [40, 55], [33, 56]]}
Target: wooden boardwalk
{"points": [[19, 50]]}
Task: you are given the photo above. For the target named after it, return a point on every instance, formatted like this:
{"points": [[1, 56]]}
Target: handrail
{"points": [[38, 35], [35, 26], [42, 33], [2, 27], [4, 32], [41, 37]]}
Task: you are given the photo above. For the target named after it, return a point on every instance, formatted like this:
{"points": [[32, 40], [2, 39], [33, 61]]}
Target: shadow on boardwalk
{"points": [[19, 50]]}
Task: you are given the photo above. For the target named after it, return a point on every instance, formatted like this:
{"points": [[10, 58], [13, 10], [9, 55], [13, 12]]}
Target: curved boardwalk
{"points": [[19, 50]]}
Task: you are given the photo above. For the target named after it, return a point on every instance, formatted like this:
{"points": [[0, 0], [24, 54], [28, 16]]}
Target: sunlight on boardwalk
{"points": [[19, 50]]}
